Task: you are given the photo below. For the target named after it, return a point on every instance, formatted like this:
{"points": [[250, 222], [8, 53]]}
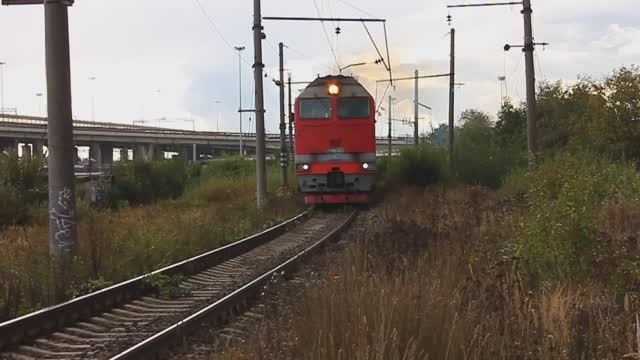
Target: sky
{"points": [[154, 59]]}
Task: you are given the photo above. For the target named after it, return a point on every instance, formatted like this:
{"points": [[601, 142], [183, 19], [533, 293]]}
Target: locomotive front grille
{"points": [[335, 179]]}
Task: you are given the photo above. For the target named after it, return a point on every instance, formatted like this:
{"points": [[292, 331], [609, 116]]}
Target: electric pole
{"points": [[389, 136], [291, 149], [452, 95], [283, 126], [2, 64], [261, 166], [528, 48], [217, 102], [531, 81], [240, 49], [62, 202], [416, 100], [93, 98]]}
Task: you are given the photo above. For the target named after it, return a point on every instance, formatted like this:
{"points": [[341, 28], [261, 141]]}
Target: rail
{"points": [[48, 320], [174, 333]]}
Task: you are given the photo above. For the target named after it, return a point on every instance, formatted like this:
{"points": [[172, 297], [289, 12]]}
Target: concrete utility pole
{"points": [[416, 135], [531, 82], [240, 49], [217, 115], [62, 203], [528, 48], [39, 95], [283, 127], [261, 164], [452, 95], [291, 149], [93, 98], [2, 64], [389, 136]]}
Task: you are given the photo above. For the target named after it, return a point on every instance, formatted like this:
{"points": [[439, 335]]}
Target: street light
{"points": [[2, 64], [217, 115], [39, 94], [93, 100], [240, 49], [352, 65]]}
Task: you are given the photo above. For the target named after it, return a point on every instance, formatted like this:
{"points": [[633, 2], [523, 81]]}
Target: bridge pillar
{"points": [[147, 152], [106, 154], [5, 146], [101, 153], [192, 150], [38, 148], [12, 147], [124, 154], [188, 154], [26, 151], [95, 153], [76, 158]]}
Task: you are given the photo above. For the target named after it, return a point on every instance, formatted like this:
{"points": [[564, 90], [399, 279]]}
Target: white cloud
{"points": [[169, 46]]}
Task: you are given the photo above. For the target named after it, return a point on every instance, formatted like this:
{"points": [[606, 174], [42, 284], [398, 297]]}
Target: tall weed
{"points": [[427, 279], [557, 237], [419, 165]]}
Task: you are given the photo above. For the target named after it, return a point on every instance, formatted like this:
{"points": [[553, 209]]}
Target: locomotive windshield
{"points": [[315, 109], [354, 108]]}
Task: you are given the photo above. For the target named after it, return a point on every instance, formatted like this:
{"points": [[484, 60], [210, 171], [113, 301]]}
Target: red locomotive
{"points": [[335, 145]]}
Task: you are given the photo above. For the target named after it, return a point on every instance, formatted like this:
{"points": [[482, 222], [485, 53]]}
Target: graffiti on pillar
{"points": [[62, 215]]}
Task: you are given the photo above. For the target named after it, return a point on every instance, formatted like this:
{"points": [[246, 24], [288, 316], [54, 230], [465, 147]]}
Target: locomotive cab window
{"points": [[354, 108], [315, 109]]}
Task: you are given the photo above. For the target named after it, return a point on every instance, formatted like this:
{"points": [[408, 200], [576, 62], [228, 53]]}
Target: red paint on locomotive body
{"points": [[335, 147]]}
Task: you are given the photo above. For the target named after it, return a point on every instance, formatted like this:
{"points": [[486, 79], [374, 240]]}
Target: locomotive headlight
{"points": [[365, 166], [305, 167], [334, 89]]}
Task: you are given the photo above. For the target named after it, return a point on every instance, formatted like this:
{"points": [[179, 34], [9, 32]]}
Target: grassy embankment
{"points": [[543, 269], [545, 266], [134, 230]]}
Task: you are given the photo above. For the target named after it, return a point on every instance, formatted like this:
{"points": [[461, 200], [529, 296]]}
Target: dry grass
{"points": [[428, 280], [114, 246]]}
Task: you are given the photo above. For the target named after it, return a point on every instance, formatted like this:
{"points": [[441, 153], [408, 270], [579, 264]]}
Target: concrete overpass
{"points": [[145, 141]]}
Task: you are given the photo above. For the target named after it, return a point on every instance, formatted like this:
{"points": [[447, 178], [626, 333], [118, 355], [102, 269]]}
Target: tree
{"points": [[474, 116], [554, 109], [439, 136], [511, 127], [479, 158]]}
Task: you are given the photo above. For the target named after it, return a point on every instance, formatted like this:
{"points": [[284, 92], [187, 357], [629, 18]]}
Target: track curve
{"points": [[140, 325]]}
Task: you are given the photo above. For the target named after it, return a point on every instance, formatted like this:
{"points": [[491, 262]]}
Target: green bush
{"points": [[23, 187], [416, 165], [144, 182], [479, 159], [557, 238], [231, 167]]}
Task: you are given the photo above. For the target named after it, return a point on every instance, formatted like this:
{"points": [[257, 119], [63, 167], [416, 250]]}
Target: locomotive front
{"points": [[335, 149]]}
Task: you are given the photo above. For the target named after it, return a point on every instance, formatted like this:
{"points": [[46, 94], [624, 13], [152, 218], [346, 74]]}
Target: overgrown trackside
{"points": [[119, 237], [431, 277]]}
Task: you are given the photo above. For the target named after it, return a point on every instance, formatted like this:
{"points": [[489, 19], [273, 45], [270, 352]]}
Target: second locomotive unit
{"points": [[335, 147]]}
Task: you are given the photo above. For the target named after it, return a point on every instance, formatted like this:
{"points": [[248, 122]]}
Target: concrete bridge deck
{"points": [[145, 141]]}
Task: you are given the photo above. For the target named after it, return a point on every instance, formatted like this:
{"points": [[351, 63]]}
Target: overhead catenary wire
{"points": [[356, 8], [386, 42], [544, 78], [375, 46], [379, 101], [324, 29], [217, 29]]}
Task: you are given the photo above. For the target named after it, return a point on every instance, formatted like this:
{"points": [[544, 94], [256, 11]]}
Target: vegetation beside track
{"points": [[120, 238], [492, 260], [433, 276]]}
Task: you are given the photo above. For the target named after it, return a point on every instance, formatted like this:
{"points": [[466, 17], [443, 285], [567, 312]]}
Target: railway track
{"points": [[126, 321]]}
